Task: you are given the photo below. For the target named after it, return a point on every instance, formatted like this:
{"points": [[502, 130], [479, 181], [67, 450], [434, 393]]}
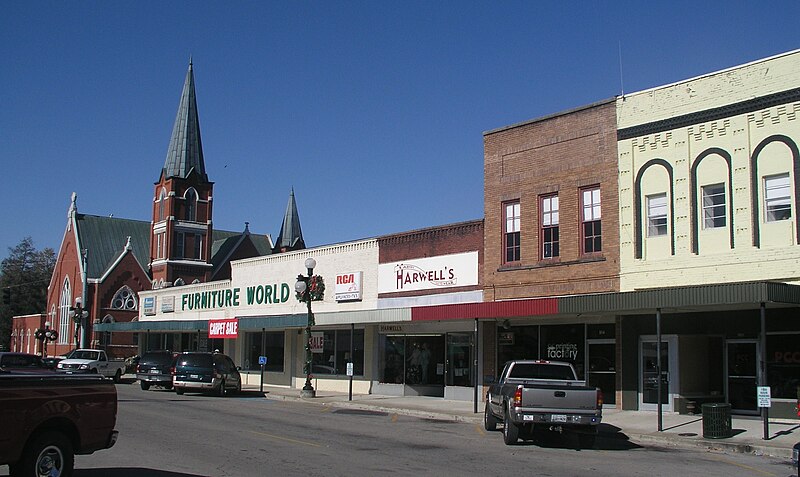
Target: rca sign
{"points": [[348, 286]]}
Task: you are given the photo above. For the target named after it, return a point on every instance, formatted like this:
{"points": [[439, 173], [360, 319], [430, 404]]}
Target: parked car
{"points": [[11, 361], [82, 361], [206, 372], [536, 395], [49, 418], [155, 369]]}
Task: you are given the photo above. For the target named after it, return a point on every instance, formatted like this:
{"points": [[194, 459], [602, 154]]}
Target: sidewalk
{"points": [[640, 427]]}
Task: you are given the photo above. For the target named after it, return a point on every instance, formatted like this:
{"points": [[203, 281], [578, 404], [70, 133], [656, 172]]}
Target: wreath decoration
{"points": [[315, 290]]}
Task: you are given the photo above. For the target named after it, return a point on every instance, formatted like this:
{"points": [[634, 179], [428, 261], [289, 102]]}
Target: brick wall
{"points": [[558, 154]]}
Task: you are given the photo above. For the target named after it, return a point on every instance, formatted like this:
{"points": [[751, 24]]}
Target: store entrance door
{"points": [[649, 375], [425, 364], [741, 366]]}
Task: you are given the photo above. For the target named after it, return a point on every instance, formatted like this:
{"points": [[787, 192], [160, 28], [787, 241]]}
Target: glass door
{"points": [[602, 369], [459, 361], [649, 375], [741, 366]]}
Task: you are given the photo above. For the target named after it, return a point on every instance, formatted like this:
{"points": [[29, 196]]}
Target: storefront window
{"points": [[516, 342], [272, 349], [336, 354], [783, 365], [393, 360], [564, 343]]}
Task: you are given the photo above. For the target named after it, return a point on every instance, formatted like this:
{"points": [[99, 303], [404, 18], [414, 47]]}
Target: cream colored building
{"points": [[708, 171]]}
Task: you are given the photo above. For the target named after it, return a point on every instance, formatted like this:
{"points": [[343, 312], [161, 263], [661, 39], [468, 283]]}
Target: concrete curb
{"points": [[710, 445]]}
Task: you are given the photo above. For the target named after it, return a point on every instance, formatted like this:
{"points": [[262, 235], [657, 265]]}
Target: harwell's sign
{"points": [[445, 271]]}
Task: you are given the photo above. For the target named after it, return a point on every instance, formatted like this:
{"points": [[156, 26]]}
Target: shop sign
{"points": [[445, 271], [228, 328], [317, 342], [348, 286], [562, 351], [167, 304], [149, 305], [254, 295], [505, 338], [390, 329]]}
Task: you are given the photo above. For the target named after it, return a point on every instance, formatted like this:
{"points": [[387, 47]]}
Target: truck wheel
{"points": [[510, 430], [118, 376], [489, 421], [586, 441], [49, 453], [221, 390], [145, 385], [179, 390]]}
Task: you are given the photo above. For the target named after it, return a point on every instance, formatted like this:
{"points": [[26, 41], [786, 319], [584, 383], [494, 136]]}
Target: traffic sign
{"points": [[262, 360], [764, 399]]}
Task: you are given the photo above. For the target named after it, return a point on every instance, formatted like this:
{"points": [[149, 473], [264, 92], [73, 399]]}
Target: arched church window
{"points": [[162, 203], [124, 299], [179, 282], [191, 205], [63, 312]]}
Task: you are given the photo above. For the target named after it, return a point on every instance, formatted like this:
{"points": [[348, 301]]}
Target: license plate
{"points": [[527, 417], [153, 371], [194, 376], [558, 418]]}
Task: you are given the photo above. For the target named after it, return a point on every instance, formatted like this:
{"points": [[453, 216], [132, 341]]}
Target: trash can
{"points": [[716, 420]]}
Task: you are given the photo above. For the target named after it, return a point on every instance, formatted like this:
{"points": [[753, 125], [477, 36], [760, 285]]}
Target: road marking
{"points": [[280, 438], [753, 469], [395, 417], [479, 429]]}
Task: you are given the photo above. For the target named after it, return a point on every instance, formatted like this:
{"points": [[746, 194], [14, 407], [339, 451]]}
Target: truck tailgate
{"points": [[560, 397]]}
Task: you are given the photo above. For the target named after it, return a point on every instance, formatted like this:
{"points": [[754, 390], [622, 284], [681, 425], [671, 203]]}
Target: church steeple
{"points": [[181, 233], [291, 237], [185, 151]]}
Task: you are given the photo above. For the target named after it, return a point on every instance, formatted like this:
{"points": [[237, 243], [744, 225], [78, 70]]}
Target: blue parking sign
{"points": [[262, 360]]}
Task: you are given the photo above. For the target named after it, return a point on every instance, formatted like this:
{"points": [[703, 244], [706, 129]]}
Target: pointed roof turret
{"points": [[185, 148], [290, 237]]}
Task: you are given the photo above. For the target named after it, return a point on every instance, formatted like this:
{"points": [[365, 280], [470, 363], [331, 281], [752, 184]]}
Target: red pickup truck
{"points": [[48, 419]]}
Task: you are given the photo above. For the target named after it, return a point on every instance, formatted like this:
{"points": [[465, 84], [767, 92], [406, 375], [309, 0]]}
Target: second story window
{"points": [[511, 232], [714, 206], [549, 232], [198, 246], [592, 232], [162, 204], [179, 238], [656, 215], [777, 198]]}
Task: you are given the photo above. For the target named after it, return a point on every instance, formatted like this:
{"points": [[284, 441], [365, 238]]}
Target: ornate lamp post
{"points": [[309, 288], [45, 335]]}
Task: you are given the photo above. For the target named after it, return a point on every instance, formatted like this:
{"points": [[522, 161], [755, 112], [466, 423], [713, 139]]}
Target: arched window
{"points": [[63, 312], [179, 282], [124, 299], [162, 203], [191, 205]]}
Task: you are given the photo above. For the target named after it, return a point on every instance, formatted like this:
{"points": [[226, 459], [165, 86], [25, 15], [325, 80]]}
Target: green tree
{"points": [[25, 273]]}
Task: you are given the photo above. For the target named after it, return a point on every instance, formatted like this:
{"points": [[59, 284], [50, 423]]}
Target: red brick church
{"points": [[104, 262]]}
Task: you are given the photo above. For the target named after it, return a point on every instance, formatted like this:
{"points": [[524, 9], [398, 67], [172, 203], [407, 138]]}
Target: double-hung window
{"points": [[656, 215], [714, 206], [511, 232], [777, 198], [549, 231], [592, 232]]}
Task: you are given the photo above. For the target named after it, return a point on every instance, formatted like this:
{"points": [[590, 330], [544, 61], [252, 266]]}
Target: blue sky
{"points": [[373, 111]]}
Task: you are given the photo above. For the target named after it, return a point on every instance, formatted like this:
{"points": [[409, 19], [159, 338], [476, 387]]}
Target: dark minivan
{"points": [[206, 372], [155, 369]]}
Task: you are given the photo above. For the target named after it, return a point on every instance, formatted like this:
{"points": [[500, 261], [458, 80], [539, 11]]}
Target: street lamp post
{"points": [[45, 335], [309, 288]]}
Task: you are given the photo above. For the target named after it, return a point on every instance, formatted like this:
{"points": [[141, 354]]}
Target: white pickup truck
{"points": [[84, 361]]}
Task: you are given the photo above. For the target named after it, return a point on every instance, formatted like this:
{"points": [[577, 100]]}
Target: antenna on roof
{"points": [[621, 82]]}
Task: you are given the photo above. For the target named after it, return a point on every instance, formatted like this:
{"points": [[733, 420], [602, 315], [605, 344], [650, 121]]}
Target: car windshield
{"points": [[196, 360], [541, 371], [20, 361], [156, 358], [93, 355]]}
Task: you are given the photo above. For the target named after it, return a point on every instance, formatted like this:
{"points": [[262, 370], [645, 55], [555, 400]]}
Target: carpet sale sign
{"points": [[223, 328]]}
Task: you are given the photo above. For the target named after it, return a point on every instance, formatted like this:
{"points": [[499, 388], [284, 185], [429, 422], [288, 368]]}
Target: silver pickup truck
{"points": [[535, 395]]}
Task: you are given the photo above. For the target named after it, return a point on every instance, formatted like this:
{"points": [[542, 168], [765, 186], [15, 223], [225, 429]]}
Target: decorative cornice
{"points": [[713, 114]]}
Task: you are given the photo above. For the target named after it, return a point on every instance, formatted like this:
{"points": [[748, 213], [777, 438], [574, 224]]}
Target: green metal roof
{"points": [[688, 298], [185, 152]]}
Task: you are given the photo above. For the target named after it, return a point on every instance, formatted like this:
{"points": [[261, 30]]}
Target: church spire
{"points": [[185, 151], [291, 237]]}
